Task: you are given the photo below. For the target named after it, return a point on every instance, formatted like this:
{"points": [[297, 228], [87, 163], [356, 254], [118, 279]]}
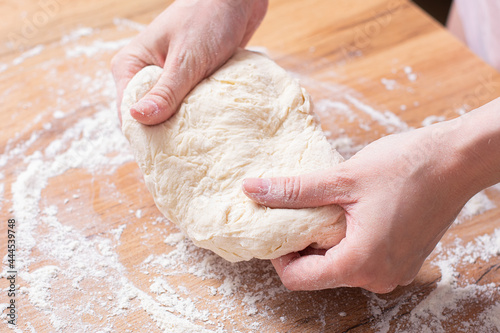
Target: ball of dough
{"points": [[248, 119]]}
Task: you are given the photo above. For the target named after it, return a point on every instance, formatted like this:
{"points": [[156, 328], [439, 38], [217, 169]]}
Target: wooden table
{"points": [[94, 253]]}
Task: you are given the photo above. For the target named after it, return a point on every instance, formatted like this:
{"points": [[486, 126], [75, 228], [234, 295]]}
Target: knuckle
{"points": [[192, 64], [165, 95], [344, 184], [292, 189], [182, 57], [198, 62]]}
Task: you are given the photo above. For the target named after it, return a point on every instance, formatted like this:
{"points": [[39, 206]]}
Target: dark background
{"points": [[437, 8]]}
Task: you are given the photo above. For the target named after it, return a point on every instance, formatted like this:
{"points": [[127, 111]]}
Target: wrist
{"points": [[474, 142]]}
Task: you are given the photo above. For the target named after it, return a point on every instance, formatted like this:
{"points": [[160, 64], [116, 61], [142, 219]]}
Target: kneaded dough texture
{"points": [[248, 119]]}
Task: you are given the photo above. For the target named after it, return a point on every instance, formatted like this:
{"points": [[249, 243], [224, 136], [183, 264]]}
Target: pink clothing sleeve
{"points": [[481, 24]]}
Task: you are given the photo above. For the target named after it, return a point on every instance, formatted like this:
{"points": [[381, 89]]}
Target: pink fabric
{"points": [[481, 23]]}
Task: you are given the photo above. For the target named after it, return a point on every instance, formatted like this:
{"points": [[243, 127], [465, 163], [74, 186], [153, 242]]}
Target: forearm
{"points": [[478, 136]]}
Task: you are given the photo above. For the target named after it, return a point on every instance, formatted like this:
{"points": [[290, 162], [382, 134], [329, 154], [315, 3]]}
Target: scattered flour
{"points": [[259, 49], [169, 298], [326, 105], [40, 280], [174, 238], [432, 120], [77, 34], [432, 314], [496, 187], [389, 84], [461, 110], [409, 73], [389, 120], [118, 231], [28, 54], [96, 47], [492, 316], [124, 23], [454, 294], [58, 114], [345, 146], [478, 204]]}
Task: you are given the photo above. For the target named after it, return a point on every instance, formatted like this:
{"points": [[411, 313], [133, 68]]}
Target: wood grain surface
{"points": [[91, 241]]}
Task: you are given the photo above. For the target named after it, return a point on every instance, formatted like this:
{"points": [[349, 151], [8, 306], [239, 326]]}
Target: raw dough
{"points": [[249, 119]]}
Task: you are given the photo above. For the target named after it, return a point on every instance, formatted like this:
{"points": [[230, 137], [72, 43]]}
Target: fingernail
{"points": [[145, 107], [258, 186]]}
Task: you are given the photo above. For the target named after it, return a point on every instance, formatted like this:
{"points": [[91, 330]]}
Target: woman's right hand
{"points": [[400, 194]]}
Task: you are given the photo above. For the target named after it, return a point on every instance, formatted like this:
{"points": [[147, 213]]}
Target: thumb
{"points": [[326, 187], [179, 76]]}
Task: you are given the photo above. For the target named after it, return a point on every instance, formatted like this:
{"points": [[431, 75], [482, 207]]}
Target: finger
{"points": [[384, 286], [326, 187], [183, 70], [314, 272], [410, 276], [407, 282], [283, 261], [387, 278]]}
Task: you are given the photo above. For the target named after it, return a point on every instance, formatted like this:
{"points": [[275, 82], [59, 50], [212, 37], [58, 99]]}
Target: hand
{"points": [[190, 40], [400, 194]]}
